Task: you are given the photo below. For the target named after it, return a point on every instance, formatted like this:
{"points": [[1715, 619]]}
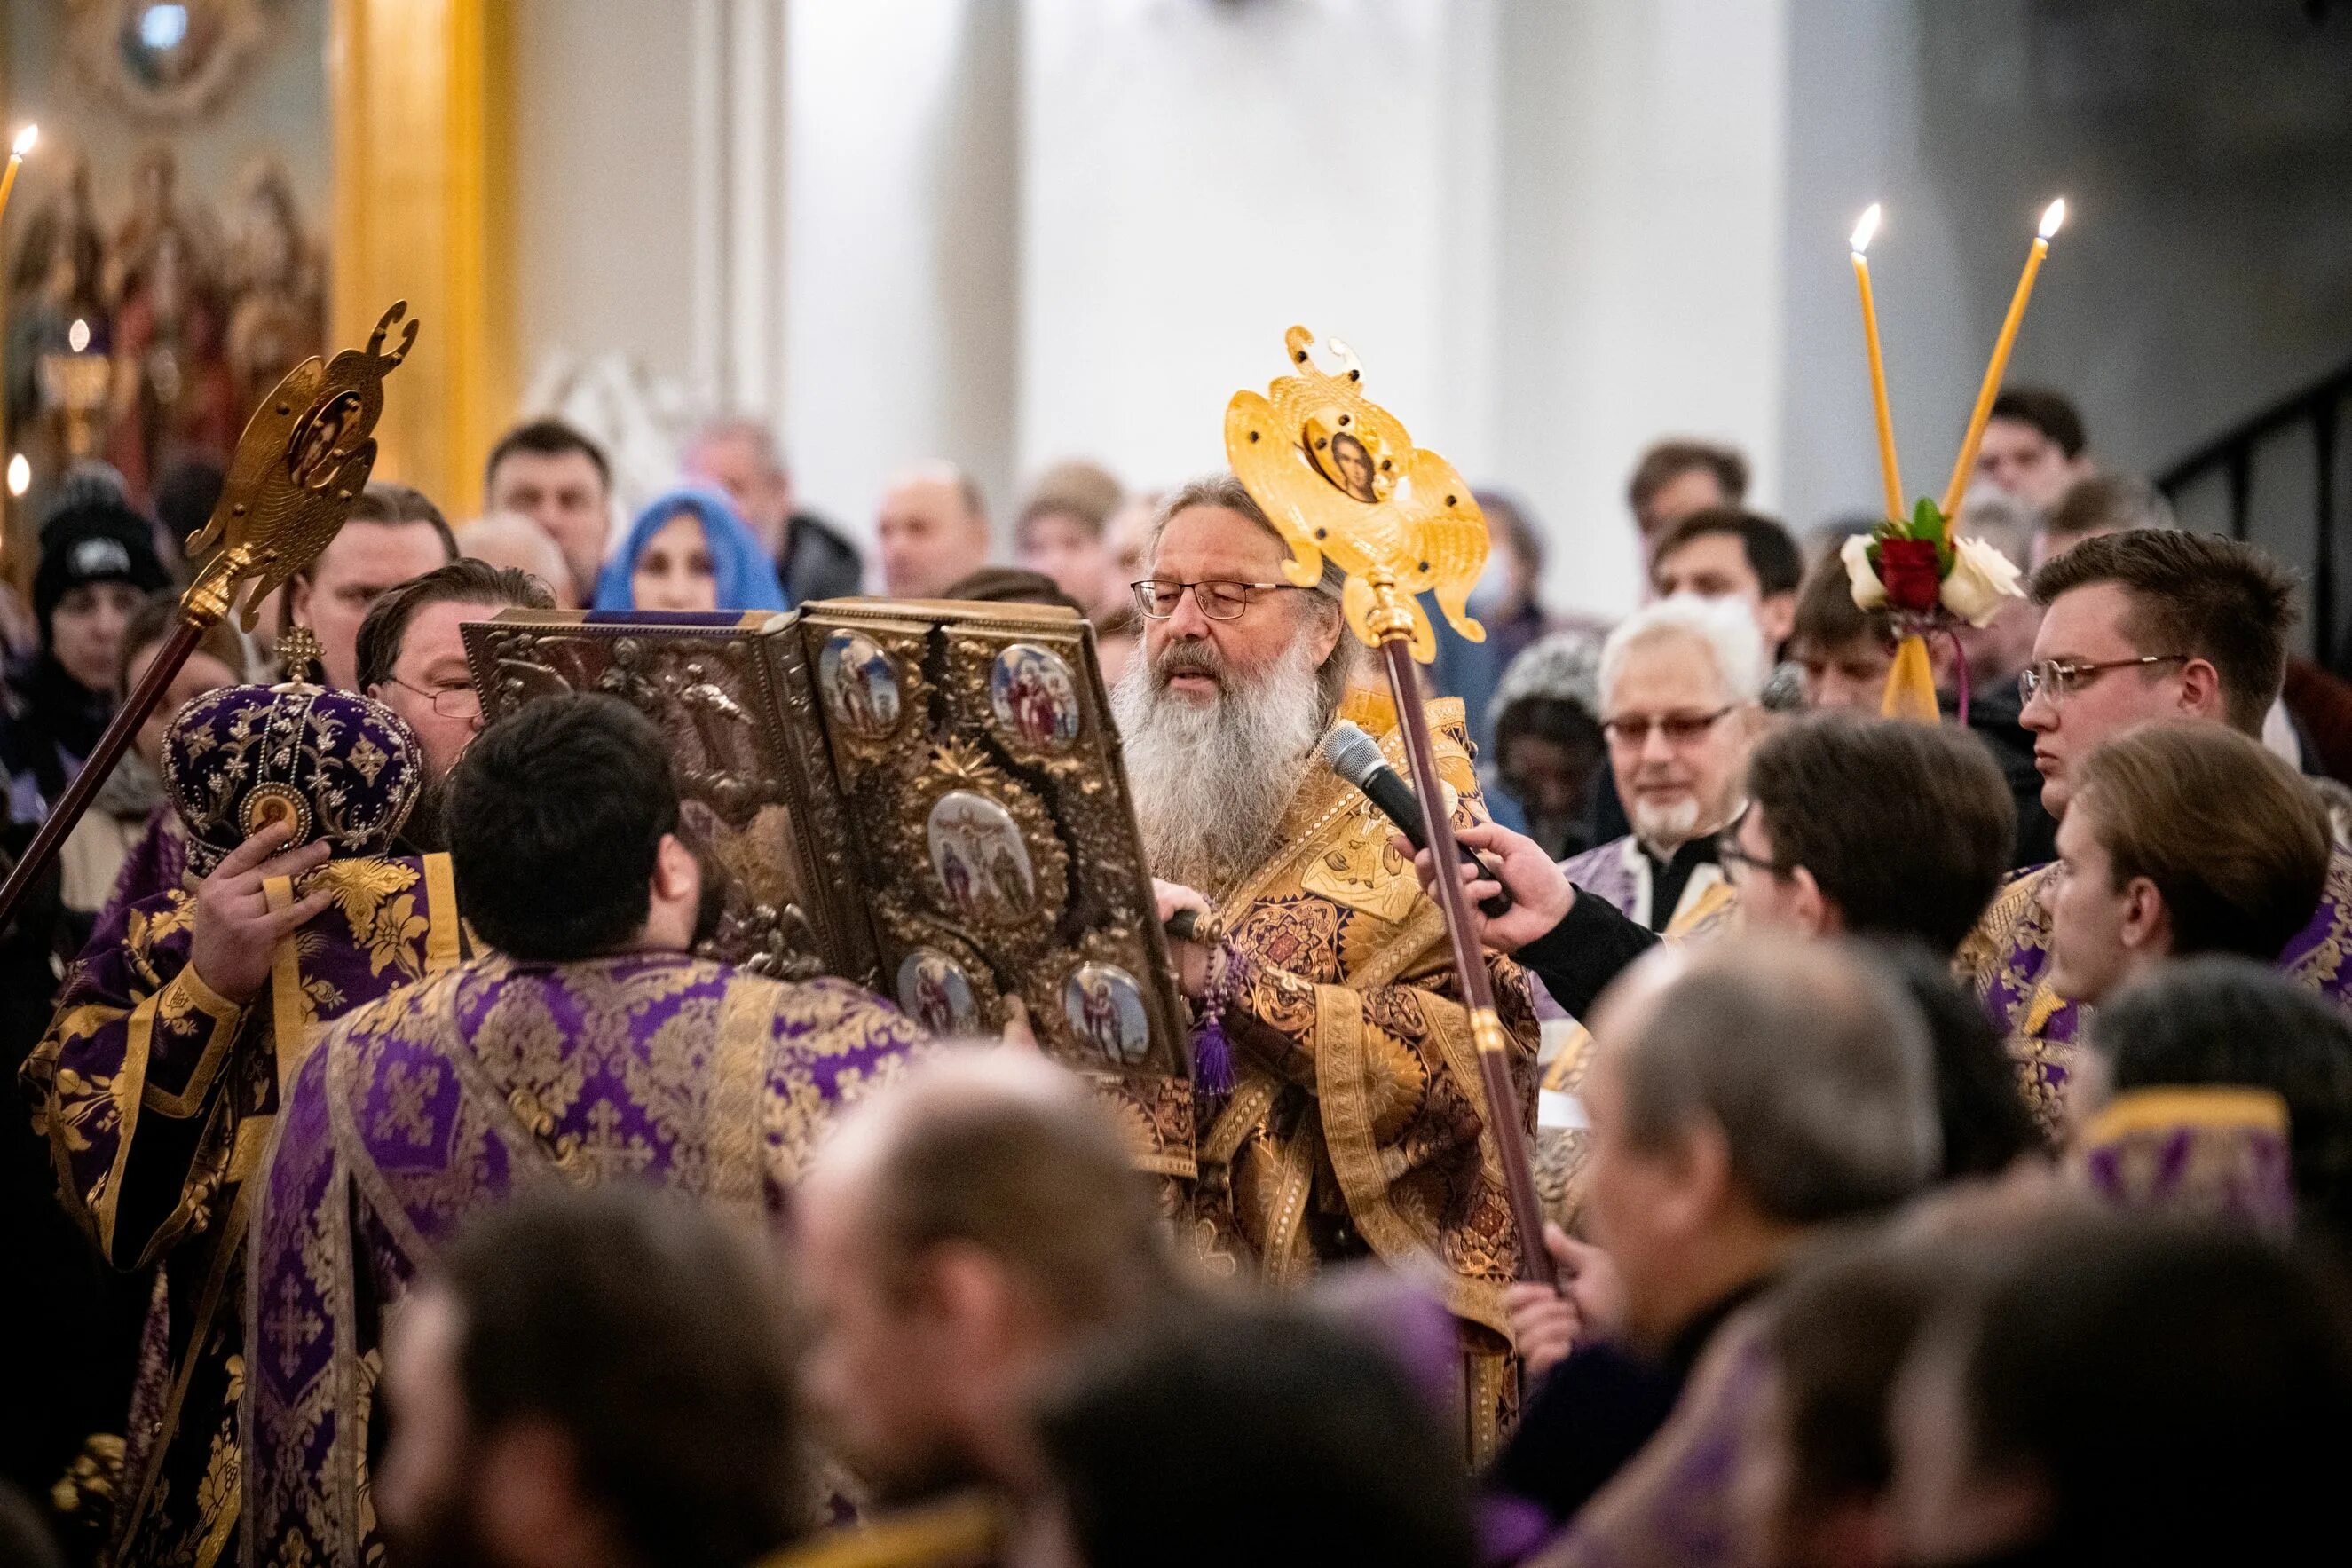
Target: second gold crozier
{"points": [[1364, 1078]]}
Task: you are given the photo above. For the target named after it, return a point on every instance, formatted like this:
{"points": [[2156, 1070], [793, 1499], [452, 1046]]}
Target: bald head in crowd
{"points": [[932, 530], [965, 1233], [512, 539]]}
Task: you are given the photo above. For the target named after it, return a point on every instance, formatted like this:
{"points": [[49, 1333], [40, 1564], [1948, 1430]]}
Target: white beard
{"points": [[1667, 827], [1212, 781]]}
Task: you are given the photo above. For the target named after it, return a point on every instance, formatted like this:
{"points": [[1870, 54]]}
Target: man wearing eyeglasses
{"points": [[1679, 683], [2151, 625], [412, 652], [1337, 1116]]}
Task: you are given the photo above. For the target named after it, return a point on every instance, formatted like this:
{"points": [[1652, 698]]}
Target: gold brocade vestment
{"points": [[1354, 1127]]}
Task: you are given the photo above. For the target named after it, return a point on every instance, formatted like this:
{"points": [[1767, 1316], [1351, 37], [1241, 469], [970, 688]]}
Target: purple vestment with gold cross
{"points": [[442, 1099]]}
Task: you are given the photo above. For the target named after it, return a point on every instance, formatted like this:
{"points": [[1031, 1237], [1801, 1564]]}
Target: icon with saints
{"points": [[1105, 1009], [1034, 697], [860, 684], [979, 862], [936, 993]]}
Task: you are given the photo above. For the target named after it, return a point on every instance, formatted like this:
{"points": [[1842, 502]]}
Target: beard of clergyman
{"points": [[1212, 779]]}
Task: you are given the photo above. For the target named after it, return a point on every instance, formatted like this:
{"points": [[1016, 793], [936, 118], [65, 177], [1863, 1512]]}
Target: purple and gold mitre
{"points": [[332, 765]]}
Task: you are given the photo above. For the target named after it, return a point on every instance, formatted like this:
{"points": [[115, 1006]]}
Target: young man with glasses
{"points": [[2154, 625], [411, 654]]}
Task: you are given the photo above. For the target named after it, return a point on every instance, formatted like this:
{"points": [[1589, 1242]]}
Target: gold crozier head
{"points": [[1339, 477], [304, 457]]}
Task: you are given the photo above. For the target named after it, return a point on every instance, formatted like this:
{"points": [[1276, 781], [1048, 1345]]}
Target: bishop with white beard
{"points": [[1341, 1099]]}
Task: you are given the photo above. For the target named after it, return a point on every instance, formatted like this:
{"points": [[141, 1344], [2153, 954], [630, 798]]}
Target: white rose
{"points": [[1869, 593], [1980, 579]]}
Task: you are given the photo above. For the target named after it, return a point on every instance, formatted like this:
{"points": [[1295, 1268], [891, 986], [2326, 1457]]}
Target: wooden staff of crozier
{"points": [[1340, 478], [300, 463]]}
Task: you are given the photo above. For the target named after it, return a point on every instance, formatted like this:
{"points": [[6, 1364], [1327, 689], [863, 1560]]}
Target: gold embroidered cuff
{"points": [[185, 996]]}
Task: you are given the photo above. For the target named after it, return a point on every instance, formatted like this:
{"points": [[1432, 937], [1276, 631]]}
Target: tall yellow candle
{"points": [[1887, 467], [2051, 217], [25, 139]]}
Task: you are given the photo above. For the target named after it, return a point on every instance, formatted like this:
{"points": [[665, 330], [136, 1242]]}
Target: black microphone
{"points": [[1355, 757]]}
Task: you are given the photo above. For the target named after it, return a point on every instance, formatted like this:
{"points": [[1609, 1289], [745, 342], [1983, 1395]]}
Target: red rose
{"points": [[1907, 568]]}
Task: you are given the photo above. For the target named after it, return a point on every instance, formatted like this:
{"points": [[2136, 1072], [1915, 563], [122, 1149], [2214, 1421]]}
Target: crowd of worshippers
{"points": [[1944, 1132]]}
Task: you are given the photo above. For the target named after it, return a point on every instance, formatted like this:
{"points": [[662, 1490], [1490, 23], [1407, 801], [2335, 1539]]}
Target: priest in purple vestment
{"points": [[183, 1019], [588, 1047]]}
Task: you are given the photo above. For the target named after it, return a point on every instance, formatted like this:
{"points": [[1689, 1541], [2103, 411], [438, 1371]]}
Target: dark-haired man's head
{"points": [[1986, 1125], [412, 657], [2101, 504], [2034, 445], [2225, 1022], [562, 822], [962, 1234], [2119, 1393], [1678, 477], [593, 1379], [1313, 1436], [1726, 553], [1871, 827], [1738, 1098], [558, 478], [2182, 839], [1843, 650], [395, 533], [2151, 625]]}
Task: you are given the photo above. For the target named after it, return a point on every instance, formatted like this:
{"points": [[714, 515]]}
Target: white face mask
{"points": [[1493, 593]]}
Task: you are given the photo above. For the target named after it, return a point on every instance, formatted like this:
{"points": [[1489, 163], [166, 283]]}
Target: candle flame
{"points": [[1863, 230], [77, 336], [20, 476], [2051, 217], [25, 138]]}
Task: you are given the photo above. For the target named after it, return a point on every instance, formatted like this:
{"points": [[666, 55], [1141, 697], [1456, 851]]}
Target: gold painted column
{"points": [[423, 173]]}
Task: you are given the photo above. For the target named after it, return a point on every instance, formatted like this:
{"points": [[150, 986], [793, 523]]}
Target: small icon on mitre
{"points": [[1338, 477]]}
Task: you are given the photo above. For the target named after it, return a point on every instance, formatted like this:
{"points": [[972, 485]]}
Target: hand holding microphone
{"points": [[1355, 757], [1540, 892]]}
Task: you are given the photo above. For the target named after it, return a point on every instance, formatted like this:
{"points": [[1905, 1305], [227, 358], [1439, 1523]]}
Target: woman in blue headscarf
{"points": [[688, 550]]}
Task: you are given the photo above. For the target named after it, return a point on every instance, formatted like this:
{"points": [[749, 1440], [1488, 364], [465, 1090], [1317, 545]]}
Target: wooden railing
{"points": [[2261, 453]]}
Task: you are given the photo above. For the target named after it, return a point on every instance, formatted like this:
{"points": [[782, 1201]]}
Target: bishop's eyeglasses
{"points": [[1220, 599]]}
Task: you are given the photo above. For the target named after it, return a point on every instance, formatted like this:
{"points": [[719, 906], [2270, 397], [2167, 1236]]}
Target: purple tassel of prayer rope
{"points": [[1212, 1060], [1213, 1053]]}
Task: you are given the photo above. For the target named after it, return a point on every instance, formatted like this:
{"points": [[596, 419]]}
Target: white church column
{"points": [[1199, 176], [1644, 151], [899, 289]]}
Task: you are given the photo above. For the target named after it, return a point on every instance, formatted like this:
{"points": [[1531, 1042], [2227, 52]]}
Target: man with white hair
{"points": [[1679, 685], [1342, 1115]]}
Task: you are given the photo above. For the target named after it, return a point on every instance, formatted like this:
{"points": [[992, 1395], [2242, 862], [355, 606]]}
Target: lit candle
{"points": [[1893, 475], [25, 139], [77, 336], [2051, 218], [20, 476]]}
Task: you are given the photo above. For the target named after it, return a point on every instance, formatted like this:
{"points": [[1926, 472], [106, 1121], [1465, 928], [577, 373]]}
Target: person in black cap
{"points": [[98, 562]]}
